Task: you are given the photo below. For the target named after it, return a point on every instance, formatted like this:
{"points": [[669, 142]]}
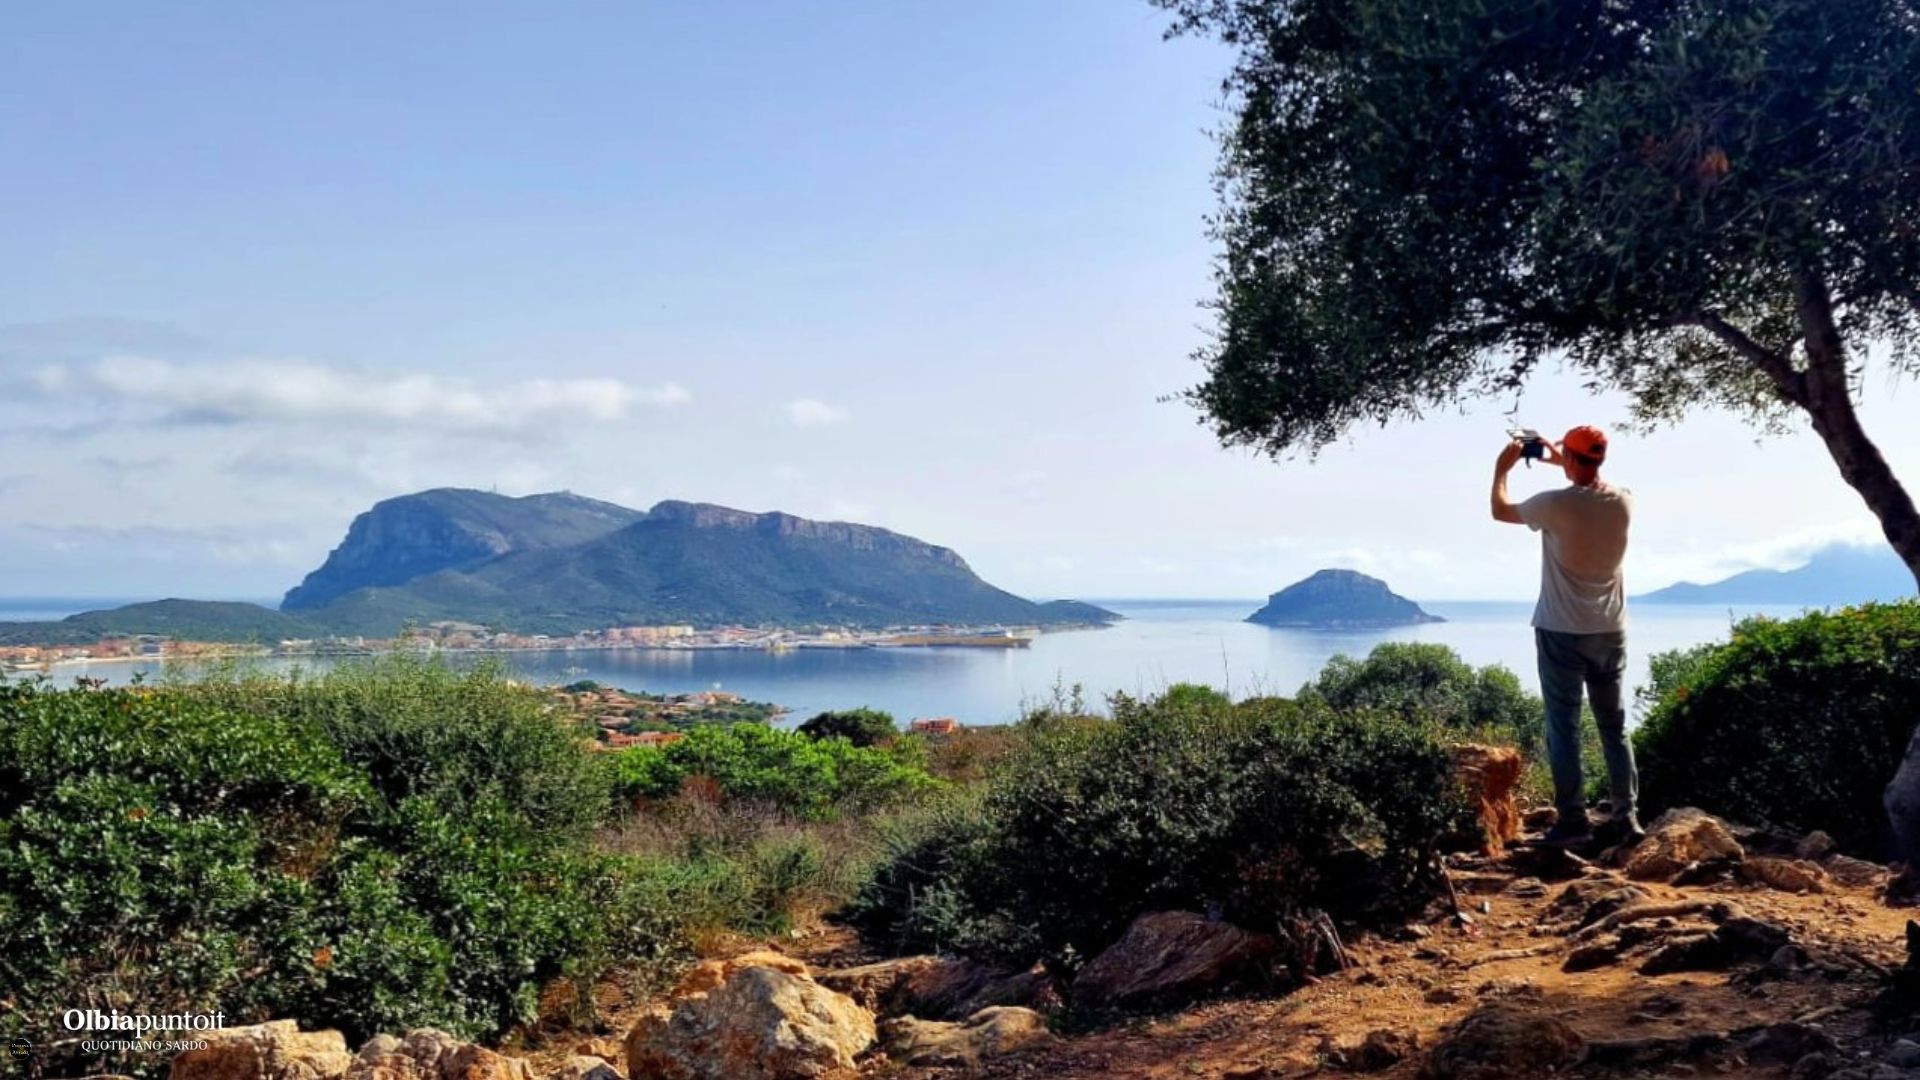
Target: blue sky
{"points": [[929, 266]]}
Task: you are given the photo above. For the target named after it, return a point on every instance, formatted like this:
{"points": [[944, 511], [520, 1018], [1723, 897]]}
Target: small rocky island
{"points": [[1340, 600]]}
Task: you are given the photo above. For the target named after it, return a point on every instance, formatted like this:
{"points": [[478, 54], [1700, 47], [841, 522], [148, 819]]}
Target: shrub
{"points": [[1425, 682], [861, 727], [158, 854], [1798, 723], [1259, 811], [782, 769]]}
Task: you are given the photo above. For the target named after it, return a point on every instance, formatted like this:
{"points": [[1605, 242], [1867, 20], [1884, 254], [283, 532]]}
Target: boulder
{"points": [[1857, 873], [1382, 1050], [711, 974], [587, 1067], [276, 1050], [761, 1024], [428, 1054], [1678, 839], [986, 1034], [933, 988], [1490, 774], [1500, 1042], [1167, 956], [1786, 875]]}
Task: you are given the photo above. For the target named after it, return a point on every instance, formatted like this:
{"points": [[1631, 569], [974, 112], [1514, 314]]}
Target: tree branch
{"points": [[1791, 382]]}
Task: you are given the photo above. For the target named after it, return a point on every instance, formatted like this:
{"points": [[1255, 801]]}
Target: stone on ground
{"points": [[1786, 875], [428, 1054], [710, 974], [761, 1024], [1678, 839], [989, 1033], [1166, 956], [1499, 1042], [937, 989], [587, 1067], [276, 1050]]}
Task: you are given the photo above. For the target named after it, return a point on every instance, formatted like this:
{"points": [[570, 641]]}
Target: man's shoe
{"points": [[1568, 833], [1621, 829]]}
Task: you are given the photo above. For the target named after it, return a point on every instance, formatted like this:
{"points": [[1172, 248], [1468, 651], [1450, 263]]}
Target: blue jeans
{"points": [[1569, 662]]}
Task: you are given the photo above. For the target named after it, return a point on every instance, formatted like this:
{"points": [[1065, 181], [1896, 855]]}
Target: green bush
{"points": [[1259, 810], [1797, 723], [783, 769], [861, 727], [1429, 683], [160, 855]]}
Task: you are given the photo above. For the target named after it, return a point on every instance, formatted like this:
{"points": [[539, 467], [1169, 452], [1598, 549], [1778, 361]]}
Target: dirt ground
{"points": [[1424, 980]]}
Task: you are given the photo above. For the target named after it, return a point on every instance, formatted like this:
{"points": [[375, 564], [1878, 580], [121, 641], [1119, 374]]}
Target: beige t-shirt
{"points": [[1583, 540]]}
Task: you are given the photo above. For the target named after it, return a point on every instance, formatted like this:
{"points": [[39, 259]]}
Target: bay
{"points": [[1160, 643]]}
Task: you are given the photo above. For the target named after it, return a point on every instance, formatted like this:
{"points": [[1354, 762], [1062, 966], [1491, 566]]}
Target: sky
{"points": [[933, 267]]}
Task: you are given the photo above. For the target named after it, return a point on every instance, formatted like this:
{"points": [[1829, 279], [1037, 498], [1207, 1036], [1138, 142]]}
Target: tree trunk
{"points": [[1827, 396]]}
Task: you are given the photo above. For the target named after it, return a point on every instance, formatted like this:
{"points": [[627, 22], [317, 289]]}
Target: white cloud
{"points": [[809, 412], [300, 390]]}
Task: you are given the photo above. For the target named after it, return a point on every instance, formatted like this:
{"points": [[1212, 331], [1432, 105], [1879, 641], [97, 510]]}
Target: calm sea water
{"points": [[1160, 643]]}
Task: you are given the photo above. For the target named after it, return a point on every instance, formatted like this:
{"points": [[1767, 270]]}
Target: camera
{"points": [[1532, 446]]}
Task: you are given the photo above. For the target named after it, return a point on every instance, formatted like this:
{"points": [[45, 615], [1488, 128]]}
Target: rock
{"points": [[1652, 1051], [1904, 1054], [1503, 1043], [1813, 1067], [1526, 888], [1678, 839], [988, 1033], [932, 988], [1786, 1043], [1444, 995], [428, 1054], [1816, 845], [1594, 954], [709, 974], [1382, 1050], [1737, 940], [1489, 774], [1787, 875], [761, 1024], [1166, 956], [1855, 873], [584, 1067], [276, 1050]]}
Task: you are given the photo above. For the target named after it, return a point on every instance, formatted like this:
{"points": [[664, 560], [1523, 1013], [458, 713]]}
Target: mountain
{"points": [[410, 536], [706, 565], [1835, 576], [192, 620], [1340, 600]]}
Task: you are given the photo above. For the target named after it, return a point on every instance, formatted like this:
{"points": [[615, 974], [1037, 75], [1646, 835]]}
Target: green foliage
{"points": [[1798, 723], [159, 855], [1260, 810], [861, 727], [1427, 682], [784, 769]]}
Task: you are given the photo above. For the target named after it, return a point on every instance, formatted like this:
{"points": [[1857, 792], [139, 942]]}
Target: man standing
{"points": [[1580, 623]]}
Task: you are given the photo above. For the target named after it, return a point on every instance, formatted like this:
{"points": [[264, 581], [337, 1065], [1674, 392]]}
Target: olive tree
{"points": [[1698, 202]]}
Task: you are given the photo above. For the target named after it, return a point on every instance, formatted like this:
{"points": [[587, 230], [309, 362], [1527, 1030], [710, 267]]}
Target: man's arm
{"points": [[1503, 507]]}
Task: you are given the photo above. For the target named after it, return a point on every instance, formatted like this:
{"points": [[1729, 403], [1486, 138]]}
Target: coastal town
{"points": [[465, 637]]}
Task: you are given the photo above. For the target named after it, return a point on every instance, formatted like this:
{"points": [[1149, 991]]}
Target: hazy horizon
{"points": [[933, 271]]}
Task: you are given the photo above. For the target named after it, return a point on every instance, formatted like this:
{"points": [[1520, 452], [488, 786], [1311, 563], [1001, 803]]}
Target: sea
{"points": [[1158, 644]]}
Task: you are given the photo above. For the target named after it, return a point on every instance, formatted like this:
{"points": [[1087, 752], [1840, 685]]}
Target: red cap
{"points": [[1587, 442]]}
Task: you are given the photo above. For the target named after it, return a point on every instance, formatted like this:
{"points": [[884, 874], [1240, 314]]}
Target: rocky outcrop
{"points": [[1678, 840], [761, 1024], [428, 1054], [1340, 600], [988, 1033], [1489, 775], [1168, 956], [934, 988], [276, 1050], [1500, 1042], [709, 975]]}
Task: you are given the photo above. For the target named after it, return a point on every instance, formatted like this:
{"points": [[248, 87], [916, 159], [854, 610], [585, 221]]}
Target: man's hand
{"points": [[1508, 456]]}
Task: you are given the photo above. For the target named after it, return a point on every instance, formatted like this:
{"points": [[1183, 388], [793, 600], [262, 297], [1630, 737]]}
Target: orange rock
{"points": [[1489, 774], [709, 975]]}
